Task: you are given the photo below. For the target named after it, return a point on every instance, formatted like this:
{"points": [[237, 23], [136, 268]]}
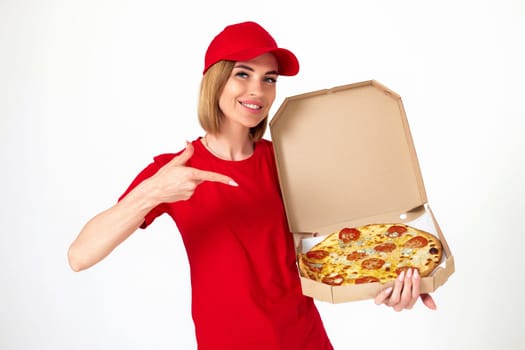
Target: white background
{"points": [[91, 90]]}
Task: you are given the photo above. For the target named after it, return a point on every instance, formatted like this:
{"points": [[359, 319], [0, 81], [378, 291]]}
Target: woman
{"points": [[223, 193]]}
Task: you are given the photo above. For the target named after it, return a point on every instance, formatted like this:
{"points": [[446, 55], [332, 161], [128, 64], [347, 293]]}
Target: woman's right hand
{"points": [[175, 181], [104, 232]]}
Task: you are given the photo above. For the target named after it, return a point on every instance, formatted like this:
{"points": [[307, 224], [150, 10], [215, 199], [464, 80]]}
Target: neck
{"points": [[229, 147]]}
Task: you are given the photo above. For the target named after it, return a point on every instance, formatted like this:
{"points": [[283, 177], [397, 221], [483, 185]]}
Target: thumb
{"points": [[182, 158], [428, 301], [383, 295]]}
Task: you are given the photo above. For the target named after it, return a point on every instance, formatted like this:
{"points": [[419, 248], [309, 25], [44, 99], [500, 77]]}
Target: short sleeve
{"points": [[149, 171]]}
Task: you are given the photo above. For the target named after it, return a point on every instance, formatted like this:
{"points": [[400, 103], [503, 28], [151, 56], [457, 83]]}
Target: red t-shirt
{"points": [[246, 292]]}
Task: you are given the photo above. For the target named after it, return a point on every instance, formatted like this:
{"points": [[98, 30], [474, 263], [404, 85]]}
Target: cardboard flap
{"points": [[345, 153]]}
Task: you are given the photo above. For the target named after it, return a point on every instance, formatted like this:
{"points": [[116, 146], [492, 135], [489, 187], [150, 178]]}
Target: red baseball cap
{"points": [[247, 40]]}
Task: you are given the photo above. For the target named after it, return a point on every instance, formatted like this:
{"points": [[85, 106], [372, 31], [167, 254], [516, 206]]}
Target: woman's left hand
{"points": [[405, 292]]}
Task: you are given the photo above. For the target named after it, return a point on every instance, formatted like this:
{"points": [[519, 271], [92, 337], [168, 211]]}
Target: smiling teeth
{"points": [[251, 106]]}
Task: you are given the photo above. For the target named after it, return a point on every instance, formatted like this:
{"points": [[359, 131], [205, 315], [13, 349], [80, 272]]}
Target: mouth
{"points": [[251, 106]]}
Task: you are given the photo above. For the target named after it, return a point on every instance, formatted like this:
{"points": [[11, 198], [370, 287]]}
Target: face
{"points": [[249, 92]]}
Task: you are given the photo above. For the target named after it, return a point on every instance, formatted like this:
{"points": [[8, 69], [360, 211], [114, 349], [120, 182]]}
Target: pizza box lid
{"points": [[345, 153], [345, 156]]}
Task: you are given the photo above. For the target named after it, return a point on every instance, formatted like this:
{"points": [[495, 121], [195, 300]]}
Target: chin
{"points": [[252, 124]]}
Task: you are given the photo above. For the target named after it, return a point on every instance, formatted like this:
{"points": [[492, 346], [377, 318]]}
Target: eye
{"points": [[241, 74], [271, 80]]}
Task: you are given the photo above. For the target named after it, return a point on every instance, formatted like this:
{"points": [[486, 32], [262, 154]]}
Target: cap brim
{"points": [[287, 61]]}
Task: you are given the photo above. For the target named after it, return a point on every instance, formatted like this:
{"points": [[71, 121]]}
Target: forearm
{"points": [[104, 232]]}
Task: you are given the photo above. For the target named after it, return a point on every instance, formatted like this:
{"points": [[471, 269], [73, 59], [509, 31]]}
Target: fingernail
{"points": [[416, 273], [401, 276], [409, 273], [388, 290], [233, 183]]}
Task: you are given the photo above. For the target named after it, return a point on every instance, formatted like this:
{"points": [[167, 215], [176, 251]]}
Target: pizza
{"points": [[371, 253]]}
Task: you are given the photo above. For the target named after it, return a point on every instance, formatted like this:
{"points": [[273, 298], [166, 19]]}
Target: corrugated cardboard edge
{"points": [[408, 136], [441, 275], [409, 139]]}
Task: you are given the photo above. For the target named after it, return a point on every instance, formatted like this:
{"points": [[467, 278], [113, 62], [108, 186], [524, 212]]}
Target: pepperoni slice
{"points": [[336, 280], [372, 263], [366, 279], [385, 247], [416, 242], [355, 255], [349, 234], [396, 231], [317, 254]]}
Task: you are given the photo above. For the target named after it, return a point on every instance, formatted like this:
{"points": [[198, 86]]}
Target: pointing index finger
{"points": [[203, 175]]}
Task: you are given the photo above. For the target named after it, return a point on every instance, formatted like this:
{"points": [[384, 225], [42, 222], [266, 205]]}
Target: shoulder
{"points": [[265, 145], [266, 151], [164, 158]]}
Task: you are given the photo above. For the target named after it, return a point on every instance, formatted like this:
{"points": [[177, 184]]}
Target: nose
{"points": [[255, 88]]}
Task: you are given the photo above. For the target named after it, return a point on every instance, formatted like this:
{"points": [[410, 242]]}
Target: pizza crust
{"points": [[370, 253]]}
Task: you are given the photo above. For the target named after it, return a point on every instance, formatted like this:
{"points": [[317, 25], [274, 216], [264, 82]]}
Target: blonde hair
{"points": [[212, 85]]}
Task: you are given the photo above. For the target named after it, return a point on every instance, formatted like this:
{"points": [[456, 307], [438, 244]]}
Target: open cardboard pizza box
{"points": [[346, 158]]}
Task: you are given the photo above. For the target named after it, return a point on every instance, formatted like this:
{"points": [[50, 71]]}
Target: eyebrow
{"points": [[242, 66]]}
